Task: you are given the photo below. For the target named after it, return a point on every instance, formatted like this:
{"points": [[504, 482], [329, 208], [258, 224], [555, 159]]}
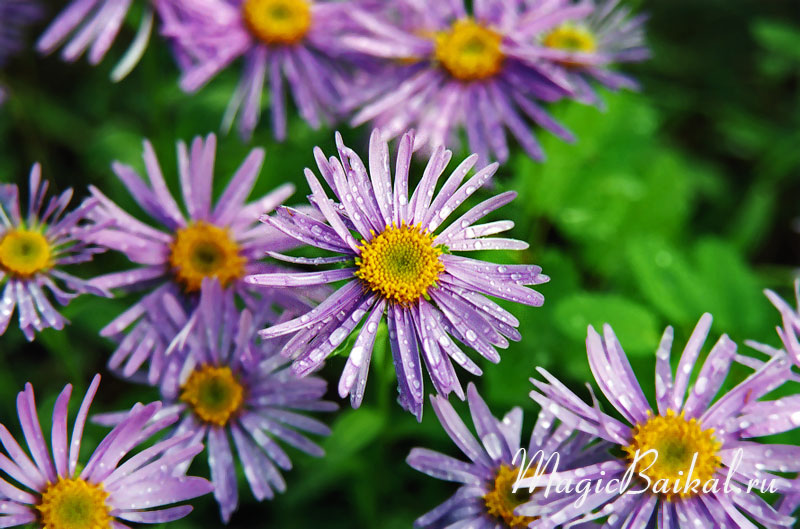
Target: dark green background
{"points": [[677, 200]]}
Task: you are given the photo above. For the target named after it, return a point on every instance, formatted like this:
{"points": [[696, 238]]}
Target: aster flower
{"points": [[486, 497], [33, 250], [402, 268], [15, 15], [585, 48], [55, 492], [688, 431], [446, 70], [291, 39], [225, 385], [93, 25], [223, 242]]}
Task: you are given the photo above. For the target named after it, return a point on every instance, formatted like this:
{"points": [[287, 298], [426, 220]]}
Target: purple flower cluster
{"points": [[695, 460], [440, 69]]}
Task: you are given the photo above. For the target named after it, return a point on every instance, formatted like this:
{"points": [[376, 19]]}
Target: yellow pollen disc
{"points": [[400, 263], [24, 252], [469, 51], [213, 393], [74, 504], [277, 21], [676, 440], [203, 250], [500, 501], [569, 37]]}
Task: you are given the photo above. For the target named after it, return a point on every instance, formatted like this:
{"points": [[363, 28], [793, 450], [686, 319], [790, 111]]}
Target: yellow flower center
{"points": [[501, 501], [569, 37], [676, 440], [24, 252], [74, 504], [213, 393], [469, 51], [203, 250], [277, 21], [400, 263]]}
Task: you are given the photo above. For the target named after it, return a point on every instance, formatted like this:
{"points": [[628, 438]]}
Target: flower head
{"points": [[691, 432], [53, 491], [282, 42], [445, 70], [227, 386], [487, 496], [222, 241], [93, 25], [33, 250], [586, 48], [403, 267]]}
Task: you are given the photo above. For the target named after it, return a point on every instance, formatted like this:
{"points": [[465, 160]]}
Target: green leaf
{"points": [[633, 323], [353, 430], [778, 37]]}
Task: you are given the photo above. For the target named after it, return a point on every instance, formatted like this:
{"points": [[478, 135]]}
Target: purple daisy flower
{"points": [[584, 48], [55, 492], [694, 434], [487, 498], [15, 15], [228, 386], [446, 70], [33, 250], [224, 242], [402, 268], [93, 25], [291, 39]]}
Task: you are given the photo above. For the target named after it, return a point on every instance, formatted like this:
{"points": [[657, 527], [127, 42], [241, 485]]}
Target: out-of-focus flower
{"points": [[585, 48], [93, 25], [54, 492], [694, 433], [223, 242], [486, 497], [446, 70], [282, 42], [226, 386], [402, 268], [15, 16], [33, 250]]}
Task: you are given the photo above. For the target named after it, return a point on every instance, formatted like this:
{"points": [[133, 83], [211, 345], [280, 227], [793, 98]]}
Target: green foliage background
{"points": [[677, 200]]}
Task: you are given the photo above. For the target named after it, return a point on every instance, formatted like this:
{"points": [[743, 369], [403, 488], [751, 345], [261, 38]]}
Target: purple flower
{"points": [[695, 433], [34, 248], [486, 497], [223, 242], [15, 15], [401, 267], [55, 492], [446, 70], [791, 322], [93, 25], [225, 385], [291, 39], [584, 48]]}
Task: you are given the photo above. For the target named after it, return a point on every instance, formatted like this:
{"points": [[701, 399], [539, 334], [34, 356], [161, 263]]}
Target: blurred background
{"points": [[681, 199]]}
